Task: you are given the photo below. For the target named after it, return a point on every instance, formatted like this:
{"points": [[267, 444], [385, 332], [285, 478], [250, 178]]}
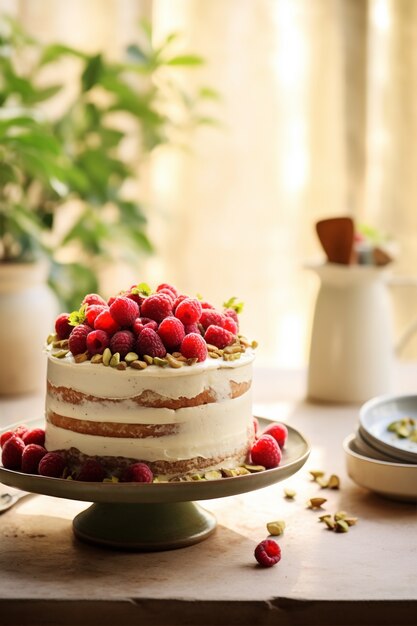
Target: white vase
{"points": [[28, 309]]}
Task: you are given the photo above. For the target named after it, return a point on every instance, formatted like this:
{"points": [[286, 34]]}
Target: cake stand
{"points": [[155, 516]]}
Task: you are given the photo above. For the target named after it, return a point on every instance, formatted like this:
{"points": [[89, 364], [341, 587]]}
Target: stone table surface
{"points": [[365, 576]]}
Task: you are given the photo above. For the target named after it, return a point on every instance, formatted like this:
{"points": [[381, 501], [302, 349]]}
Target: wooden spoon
{"points": [[336, 235]]}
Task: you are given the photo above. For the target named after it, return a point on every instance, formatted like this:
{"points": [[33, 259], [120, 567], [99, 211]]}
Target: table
{"points": [[365, 576]]}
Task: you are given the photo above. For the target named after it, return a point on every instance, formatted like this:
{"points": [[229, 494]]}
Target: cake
{"points": [[150, 377]]}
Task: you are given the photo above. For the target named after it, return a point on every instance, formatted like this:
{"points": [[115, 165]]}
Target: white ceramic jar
{"points": [[28, 309]]}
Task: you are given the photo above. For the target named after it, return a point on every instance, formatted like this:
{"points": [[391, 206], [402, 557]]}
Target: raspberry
{"points": [[265, 451], [267, 553], [138, 473], [193, 346], [52, 465], [150, 343], [136, 297], [168, 293], [189, 311], [138, 326], [104, 321], [211, 316], [12, 451], [5, 436], [92, 311], [178, 301], [171, 331], [31, 457], [111, 300], [219, 337], [279, 432], [230, 325], [124, 311], [93, 298], [157, 307], [164, 287], [35, 436], [20, 430], [192, 328], [78, 339], [62, 326], [233, 314], [122, 342], [91, 471], [97, 342], [206, 305]]}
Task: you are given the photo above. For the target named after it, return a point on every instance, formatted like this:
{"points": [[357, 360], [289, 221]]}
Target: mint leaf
{"points": [[232, 304], [142, 289], [77, 317]]}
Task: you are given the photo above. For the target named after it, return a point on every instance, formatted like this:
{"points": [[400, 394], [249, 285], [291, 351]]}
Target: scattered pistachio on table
{"points": [[289, 494], [339, 522], [316, 503], [332, 482], [276, 528]]}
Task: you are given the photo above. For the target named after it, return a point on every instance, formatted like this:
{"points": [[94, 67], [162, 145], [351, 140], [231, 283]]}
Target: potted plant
{"points": [[78, 157]]}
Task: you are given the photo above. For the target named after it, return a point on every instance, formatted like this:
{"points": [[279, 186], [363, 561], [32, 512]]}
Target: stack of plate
{"points": [[376, 456]]}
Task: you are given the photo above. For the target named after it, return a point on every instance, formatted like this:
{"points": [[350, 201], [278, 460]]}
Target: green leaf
{"points": [[54, 52], [209, 93], [92, 72], [40, 95], [77, 317], [136, 54], [142, 289], [232, 304], [186, 59], [71, 281]]}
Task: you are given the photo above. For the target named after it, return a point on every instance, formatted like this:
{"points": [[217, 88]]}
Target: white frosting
{"points": [[208, 430], [187, 381]]}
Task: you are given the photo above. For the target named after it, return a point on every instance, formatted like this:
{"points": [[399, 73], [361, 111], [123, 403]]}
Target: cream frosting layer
{"points": [[208, 430], [187, 381]]}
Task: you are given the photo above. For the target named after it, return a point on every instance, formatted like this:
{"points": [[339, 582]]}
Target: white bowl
{"points": [[374, 418], [393, 480]]}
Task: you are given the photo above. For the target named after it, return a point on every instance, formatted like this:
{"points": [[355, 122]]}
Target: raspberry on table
{"points": [[171, 331], [157, 307], [218, 336], [93, 298], [62, 326], [35, 435], [105, 321], [124, 311], [265, 451], [92, 311], [122, 342], [149, 342], [91, 471], [193, 346], [279, 432], [211, 316], [77, 341], [267, 553], [138, 473], [11, 454], [189, 311], [52, 465], [97, 342], [31, 457]]}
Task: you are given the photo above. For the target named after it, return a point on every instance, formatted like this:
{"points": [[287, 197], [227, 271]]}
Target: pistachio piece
{"points": [[97, 358], [139, 365], [341, 526], [289, 493], [276, 528], [214, 355], [316, 474], [60, 354], [196, 477], [340, 515], [229, 473], [316, 503], [254, 345], [350, 521], [106, 356], [173, 362], [176, 355], [121, 366], [242, 471], [191, 361], [148, 359], [115, 359], [330, 523], [112, 479], [254, 468], [322, 481], [80, 358], [50, 339], [160, 362], [334, 482], [213, 475], [130, 357]]}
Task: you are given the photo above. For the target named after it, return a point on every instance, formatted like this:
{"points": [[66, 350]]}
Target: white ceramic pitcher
{"points": [[352, 346]]}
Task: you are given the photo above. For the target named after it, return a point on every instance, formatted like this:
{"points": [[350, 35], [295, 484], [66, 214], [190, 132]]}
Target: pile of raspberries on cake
{"points": [[138, 323]]}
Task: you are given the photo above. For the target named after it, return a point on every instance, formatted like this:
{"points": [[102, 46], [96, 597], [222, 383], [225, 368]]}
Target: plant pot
{"points": [[28, 309]]}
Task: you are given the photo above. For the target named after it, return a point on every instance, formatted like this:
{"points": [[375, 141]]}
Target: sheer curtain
{"points": [[318, 116]]}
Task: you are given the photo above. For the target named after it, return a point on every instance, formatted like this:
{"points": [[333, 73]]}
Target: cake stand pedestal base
{"points": [[144, 526]]}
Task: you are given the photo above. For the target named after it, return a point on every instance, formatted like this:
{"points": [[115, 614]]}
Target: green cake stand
{"points": [[155, 516]]}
